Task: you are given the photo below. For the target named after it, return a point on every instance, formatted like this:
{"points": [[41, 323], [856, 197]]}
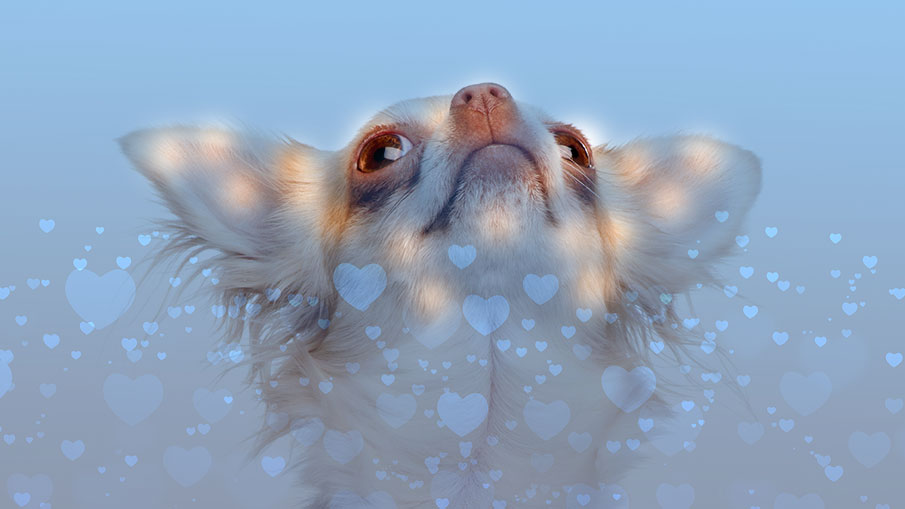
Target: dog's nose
{"points": [[483, 97], [484, 114]]}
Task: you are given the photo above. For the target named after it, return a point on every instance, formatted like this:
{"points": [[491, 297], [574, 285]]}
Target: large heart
{"points": [[805, 394], [100, 299], [359, 287], [485, 315], [343, 447], [546, 420], [628, 390], [462, 415], [187, 467], [133, 400], [396, 410], [540, 289], [213, 406]]}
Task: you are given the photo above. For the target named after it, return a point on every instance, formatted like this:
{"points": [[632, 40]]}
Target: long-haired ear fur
{"points": [[674, 205], [266, 206]]}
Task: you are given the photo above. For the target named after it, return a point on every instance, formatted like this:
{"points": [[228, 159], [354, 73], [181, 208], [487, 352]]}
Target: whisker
{"points": [[577, 180]]}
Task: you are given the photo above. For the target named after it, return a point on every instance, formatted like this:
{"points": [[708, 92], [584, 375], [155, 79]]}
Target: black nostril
{"points": [[490, 92]]}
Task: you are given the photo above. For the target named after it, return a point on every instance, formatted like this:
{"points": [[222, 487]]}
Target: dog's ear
{"points": [[221, 185], [260, 201], [675, 204]]}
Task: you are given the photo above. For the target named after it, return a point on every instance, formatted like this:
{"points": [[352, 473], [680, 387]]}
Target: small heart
{"points": [[780, 338], [869, 261], [46, 225]]}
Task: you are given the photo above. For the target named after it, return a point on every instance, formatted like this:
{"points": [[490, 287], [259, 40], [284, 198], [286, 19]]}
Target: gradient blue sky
{"points": [[816, 89]]}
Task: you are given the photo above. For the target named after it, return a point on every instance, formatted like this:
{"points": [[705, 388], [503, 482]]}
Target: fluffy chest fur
{"points": [[496, 396]]}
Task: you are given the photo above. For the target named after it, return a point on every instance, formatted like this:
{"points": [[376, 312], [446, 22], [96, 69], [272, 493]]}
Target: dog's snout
{"points": [[483, 97], [484, 114]]}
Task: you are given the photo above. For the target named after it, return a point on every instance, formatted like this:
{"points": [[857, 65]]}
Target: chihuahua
{"points": [[460, 308]]}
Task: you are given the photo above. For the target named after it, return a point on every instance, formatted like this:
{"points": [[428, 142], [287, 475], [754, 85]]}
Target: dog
{"points": [[454, 310]]}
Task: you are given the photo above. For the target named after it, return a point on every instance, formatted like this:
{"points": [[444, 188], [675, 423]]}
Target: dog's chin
{"points": [[500, 199], [499, 164]]}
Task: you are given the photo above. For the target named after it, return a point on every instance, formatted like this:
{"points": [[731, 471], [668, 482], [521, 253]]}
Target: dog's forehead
{"points": [[421, 112], [430, 112]]}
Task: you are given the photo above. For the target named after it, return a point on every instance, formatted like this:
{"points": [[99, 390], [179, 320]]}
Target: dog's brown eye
{"points": [[381, 151], [573, 148]]}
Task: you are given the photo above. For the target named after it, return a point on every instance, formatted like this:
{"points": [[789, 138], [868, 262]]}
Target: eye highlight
{"points": [[381, 151], [573, 147]]}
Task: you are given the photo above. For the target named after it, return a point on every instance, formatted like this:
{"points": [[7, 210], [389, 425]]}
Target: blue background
{"points": [[815, 89]]}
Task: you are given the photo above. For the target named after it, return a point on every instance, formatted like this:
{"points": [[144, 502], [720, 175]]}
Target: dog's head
{"points": [[476, 171]]}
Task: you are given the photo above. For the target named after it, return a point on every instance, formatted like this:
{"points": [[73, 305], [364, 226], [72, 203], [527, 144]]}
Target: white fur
{"points": [[277, 212]]}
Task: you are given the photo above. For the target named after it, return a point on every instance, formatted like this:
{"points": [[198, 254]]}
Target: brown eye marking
{"points": [[579, 169], [573, 145], [380, 170], [381, 150]]}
